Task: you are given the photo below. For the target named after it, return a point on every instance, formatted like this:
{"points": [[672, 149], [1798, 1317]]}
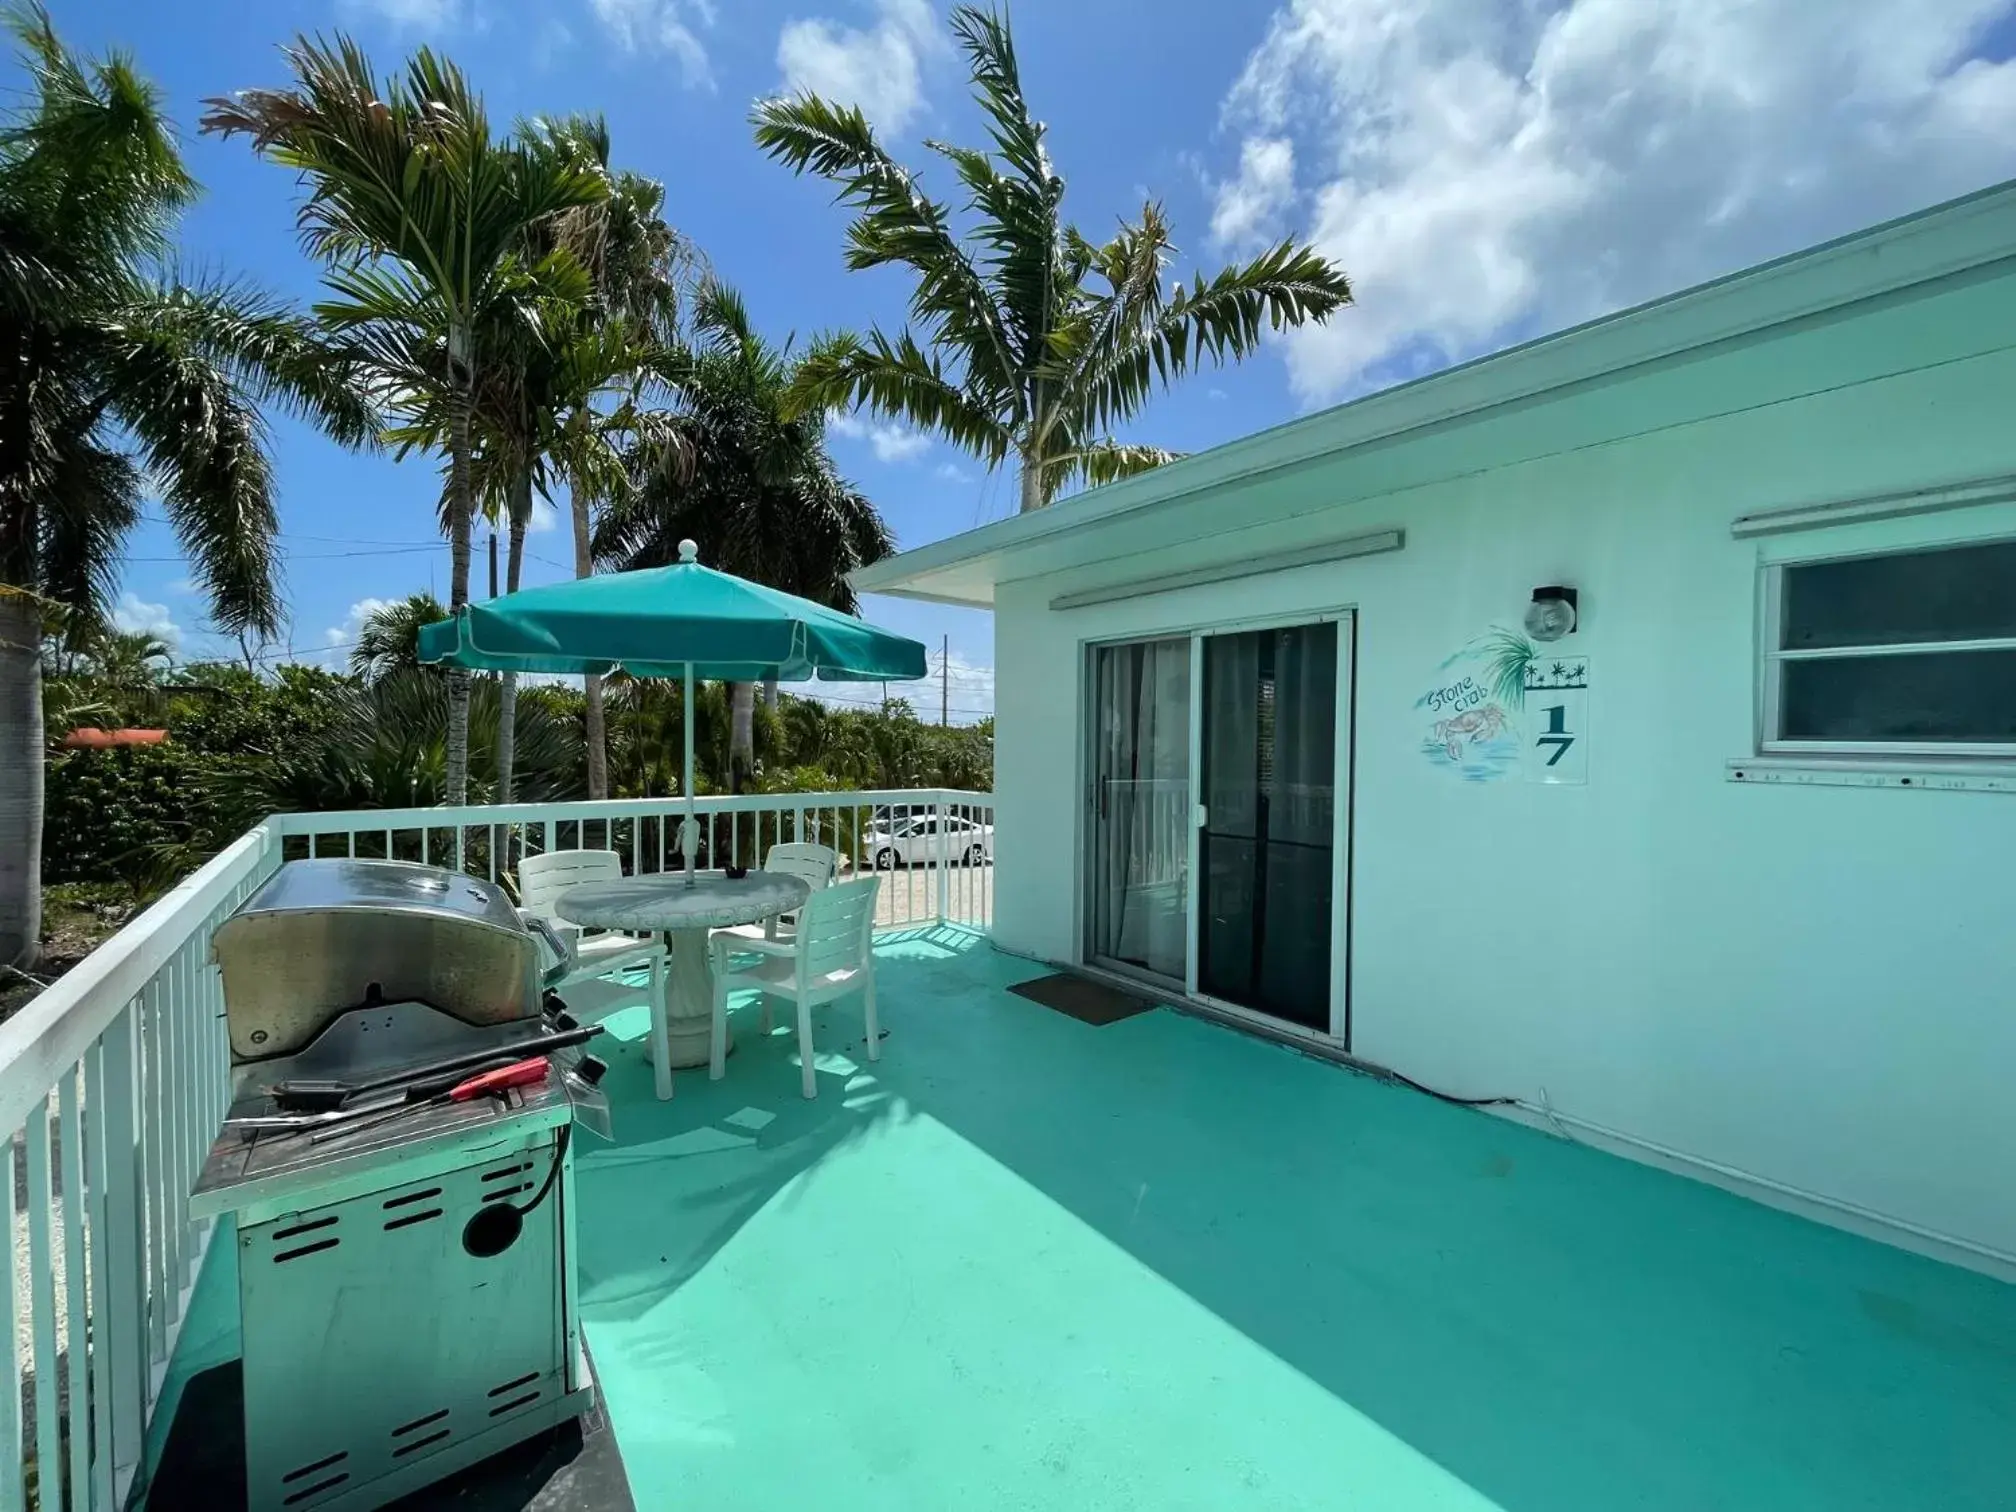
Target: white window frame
{"points": [[1773, 658]]}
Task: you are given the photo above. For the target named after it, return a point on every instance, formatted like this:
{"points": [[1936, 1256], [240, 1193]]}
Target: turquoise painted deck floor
{"points": [[1021, 1262]]}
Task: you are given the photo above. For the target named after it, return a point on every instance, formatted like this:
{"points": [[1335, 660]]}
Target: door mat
{"points": [[1080, 998]]}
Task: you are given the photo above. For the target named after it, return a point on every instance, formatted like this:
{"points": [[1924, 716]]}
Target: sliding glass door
{"points": [[1137, 910], [1268, 850], [1218, 767]]}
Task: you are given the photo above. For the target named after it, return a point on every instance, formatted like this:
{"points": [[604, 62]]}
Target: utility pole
{"points": [[945, 684], [493, 564]]}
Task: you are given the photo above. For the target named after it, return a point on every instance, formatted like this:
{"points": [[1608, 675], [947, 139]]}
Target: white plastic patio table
{"points": [[684, 914]]}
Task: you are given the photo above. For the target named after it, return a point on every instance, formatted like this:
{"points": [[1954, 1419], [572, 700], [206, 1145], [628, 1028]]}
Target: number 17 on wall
{"points": [[1557, 713]]}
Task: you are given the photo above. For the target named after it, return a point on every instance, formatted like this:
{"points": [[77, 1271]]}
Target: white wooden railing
{"points": [[111, 1086], [114, 1079]]}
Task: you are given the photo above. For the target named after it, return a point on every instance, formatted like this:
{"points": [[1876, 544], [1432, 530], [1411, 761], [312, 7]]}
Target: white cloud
{"points": [[1249, 207], [554, 38], [892, 440], [879, 68], [1485, 172], [952, 472], [671, 27], [136, 616], [338, 639], [545, 517], [969, 691], [183, 585], [408, 15]]}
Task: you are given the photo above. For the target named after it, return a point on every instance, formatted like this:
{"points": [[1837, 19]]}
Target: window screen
{"points": [[1912, 650]]}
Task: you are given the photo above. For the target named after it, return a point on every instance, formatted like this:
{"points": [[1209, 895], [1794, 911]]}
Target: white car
{"points": [[927, 838]]}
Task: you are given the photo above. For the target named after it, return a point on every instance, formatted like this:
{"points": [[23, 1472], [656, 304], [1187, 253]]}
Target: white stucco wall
{"points": [[1811, 985]]}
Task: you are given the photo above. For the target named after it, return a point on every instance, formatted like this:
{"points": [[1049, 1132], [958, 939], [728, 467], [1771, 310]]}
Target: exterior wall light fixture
{"points": [[1552, 613]]}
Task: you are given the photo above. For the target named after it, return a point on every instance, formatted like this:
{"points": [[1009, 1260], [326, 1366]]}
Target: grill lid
{"points": [[323, 936]]}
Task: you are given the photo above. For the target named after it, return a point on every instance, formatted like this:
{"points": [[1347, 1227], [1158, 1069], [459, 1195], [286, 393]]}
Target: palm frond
{"points": [[206, 448], [1102, 463], [899, 379], [897, 223], [1289, 285], [89, 501], [277, 358]]}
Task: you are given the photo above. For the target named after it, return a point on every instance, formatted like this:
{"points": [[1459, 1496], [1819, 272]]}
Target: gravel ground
{"points": [[911, 895]]}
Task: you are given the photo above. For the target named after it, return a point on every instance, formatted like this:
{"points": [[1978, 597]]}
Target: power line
{"points": [[291, 535], [318, 556]]}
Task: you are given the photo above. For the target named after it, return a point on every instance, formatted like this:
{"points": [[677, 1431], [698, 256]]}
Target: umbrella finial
{"points": [[689, 551]]}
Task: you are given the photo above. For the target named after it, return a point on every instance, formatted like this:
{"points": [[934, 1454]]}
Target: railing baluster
{"points": [[197, 1124], [100, 1369], [126, 1401], [42, 1309], [176, 1026], [157, 1080], [13, 1463], [76, 1288], [939, 861], [205, 1113]]}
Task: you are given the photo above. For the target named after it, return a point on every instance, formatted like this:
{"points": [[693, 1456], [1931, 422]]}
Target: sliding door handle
{"points": [[1199, 816]]}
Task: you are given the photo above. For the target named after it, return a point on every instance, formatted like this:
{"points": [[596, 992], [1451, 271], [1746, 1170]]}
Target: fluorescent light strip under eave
{"points": [[1373, 544], [1889, 506]]}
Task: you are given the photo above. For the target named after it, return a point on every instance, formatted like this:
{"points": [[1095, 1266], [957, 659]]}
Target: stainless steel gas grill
{"points": [[405, 1249]]}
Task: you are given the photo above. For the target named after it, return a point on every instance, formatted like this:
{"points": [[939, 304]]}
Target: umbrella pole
{"points": [[689, 832]]}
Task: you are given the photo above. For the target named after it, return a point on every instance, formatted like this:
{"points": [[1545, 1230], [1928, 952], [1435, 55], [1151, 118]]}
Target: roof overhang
{"points": [[1104, 523]]}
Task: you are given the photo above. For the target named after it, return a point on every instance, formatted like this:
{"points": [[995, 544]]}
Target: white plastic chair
{"points": [[541, 881], [812, 864], [829, 956]]}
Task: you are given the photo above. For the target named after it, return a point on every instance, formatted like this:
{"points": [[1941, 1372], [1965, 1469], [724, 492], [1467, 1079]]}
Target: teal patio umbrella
{"points": [[684, 621]]}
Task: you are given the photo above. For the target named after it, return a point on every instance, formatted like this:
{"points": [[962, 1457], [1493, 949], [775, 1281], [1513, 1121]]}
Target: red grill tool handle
{"points": [[525, 1073]]}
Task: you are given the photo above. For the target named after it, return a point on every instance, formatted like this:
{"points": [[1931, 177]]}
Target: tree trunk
{"points": [[1032, 485], [770, 694], [597, 732], [742, 729], [20, 779], [458, 579], [507, 692]]}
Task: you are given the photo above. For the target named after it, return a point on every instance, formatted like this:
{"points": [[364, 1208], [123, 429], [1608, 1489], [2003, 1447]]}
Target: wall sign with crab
{"points": [[1501, 705]]}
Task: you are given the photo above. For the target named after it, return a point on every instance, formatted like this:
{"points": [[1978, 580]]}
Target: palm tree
{"points": [[1052, 339], [637, 265], [121, 380], [761, 496], [526, 347], [388, 640], [423, 220]]}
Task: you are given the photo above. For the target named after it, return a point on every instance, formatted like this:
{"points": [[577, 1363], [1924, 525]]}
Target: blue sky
{"points": [[1486, 170]]}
